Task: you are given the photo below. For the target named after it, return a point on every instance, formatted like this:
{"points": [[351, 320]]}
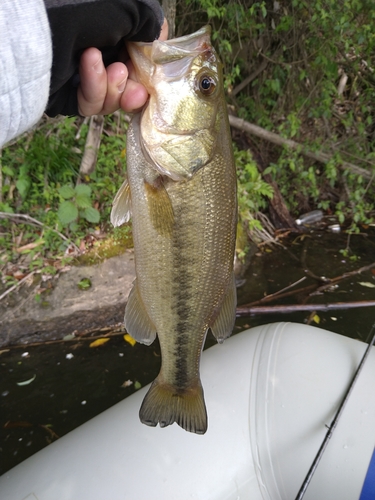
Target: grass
{"points": [[38, 171]]}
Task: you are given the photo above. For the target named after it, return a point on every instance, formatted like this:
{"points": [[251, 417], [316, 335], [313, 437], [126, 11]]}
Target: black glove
{"points": [[79, 24]]}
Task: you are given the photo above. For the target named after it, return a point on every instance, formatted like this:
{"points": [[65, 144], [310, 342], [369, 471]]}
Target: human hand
{"points": [[78, 25], [104, 90]]}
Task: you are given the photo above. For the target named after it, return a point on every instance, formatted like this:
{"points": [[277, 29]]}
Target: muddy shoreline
{"points": [[67, 308]]}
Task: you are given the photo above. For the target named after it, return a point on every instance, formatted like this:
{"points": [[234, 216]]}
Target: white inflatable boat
{"points": [[270, 391]]}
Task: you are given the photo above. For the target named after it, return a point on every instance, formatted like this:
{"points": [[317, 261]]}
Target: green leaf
{"points": [[366, 284], [67, 212], [27, 382], [275, 85], [5, 207], [91, 214], [70, 336], [23, 186], [67, 192], [84, 284], [74, 226], [83, 189], [7, 170], [83, 201]]}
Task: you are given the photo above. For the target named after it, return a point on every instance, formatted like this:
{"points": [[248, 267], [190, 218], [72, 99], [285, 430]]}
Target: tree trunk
{"points": [[169, 8]]}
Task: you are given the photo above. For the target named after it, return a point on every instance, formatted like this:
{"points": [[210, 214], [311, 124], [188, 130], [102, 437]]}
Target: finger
{"points": [[92, 90], [117, 78], [164, 31], [131, 70], [134, 96]]}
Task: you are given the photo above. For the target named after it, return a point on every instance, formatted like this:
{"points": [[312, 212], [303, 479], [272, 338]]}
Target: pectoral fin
{"points": [[121, 206], [137, 321], [223, 325], [160, 207]]}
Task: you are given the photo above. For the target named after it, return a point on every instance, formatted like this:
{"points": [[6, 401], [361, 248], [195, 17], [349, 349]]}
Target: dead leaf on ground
{"points": [[129, 339], [29, 246], [127, 383], [316, 319], [99, 342], [27, 382], [14, 425], [367, 284]]}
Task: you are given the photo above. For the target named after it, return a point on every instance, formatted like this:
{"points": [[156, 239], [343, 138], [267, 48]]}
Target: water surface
{"points": [[74, 382]]}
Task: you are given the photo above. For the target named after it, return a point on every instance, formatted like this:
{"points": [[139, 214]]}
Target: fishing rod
{"points": [[334, 423]]}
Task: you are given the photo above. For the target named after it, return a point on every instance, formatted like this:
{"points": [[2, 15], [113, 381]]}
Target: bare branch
{"points": [[310, 289], [27, 219], [262, 133], [249, 311], [19, 283], [262, 66], [90, 154], [169, 9]]}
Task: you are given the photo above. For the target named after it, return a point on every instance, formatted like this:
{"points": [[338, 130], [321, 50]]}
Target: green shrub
{"points": [[294, 55]]}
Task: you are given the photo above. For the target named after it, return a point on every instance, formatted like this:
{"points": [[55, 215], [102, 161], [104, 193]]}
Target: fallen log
{"points": [[311, 290], [288, 308], [262, 133]]}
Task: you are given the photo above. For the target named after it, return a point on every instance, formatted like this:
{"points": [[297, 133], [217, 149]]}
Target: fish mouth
{"points": [[176, 139], [160, 52], [173, 55]]}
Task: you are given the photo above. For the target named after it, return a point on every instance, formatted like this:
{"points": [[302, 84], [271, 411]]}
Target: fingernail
{"points": [[99, 67], [121, 86]]}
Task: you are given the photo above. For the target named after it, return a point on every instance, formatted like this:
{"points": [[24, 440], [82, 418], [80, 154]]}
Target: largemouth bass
{"points": [[181, 194]]}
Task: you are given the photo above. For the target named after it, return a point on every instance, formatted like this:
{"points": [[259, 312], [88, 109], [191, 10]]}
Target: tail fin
{"points": [[166, 404]]}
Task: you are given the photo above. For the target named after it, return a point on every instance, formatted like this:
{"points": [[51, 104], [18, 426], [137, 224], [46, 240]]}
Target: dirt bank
{"points": [[66, 307]]}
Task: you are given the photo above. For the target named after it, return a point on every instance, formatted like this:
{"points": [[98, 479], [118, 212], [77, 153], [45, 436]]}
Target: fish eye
{"points": [[207, 84]]}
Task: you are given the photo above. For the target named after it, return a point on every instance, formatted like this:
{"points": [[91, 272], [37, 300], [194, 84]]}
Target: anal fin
{"points": [[137, 321], [223, 325]]}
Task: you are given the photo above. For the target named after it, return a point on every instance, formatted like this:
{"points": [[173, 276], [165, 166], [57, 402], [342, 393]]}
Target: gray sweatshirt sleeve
{"points": [[25, 65]]}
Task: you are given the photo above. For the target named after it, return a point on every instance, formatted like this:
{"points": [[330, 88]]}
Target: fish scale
{"points": [[184, 221]]}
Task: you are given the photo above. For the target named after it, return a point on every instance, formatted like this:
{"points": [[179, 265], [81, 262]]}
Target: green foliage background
{"points": [[284, 62], [39, 173], [294, 55]]}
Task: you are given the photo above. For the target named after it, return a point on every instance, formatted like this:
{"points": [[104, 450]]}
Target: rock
{"points": [[67, 308]]}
